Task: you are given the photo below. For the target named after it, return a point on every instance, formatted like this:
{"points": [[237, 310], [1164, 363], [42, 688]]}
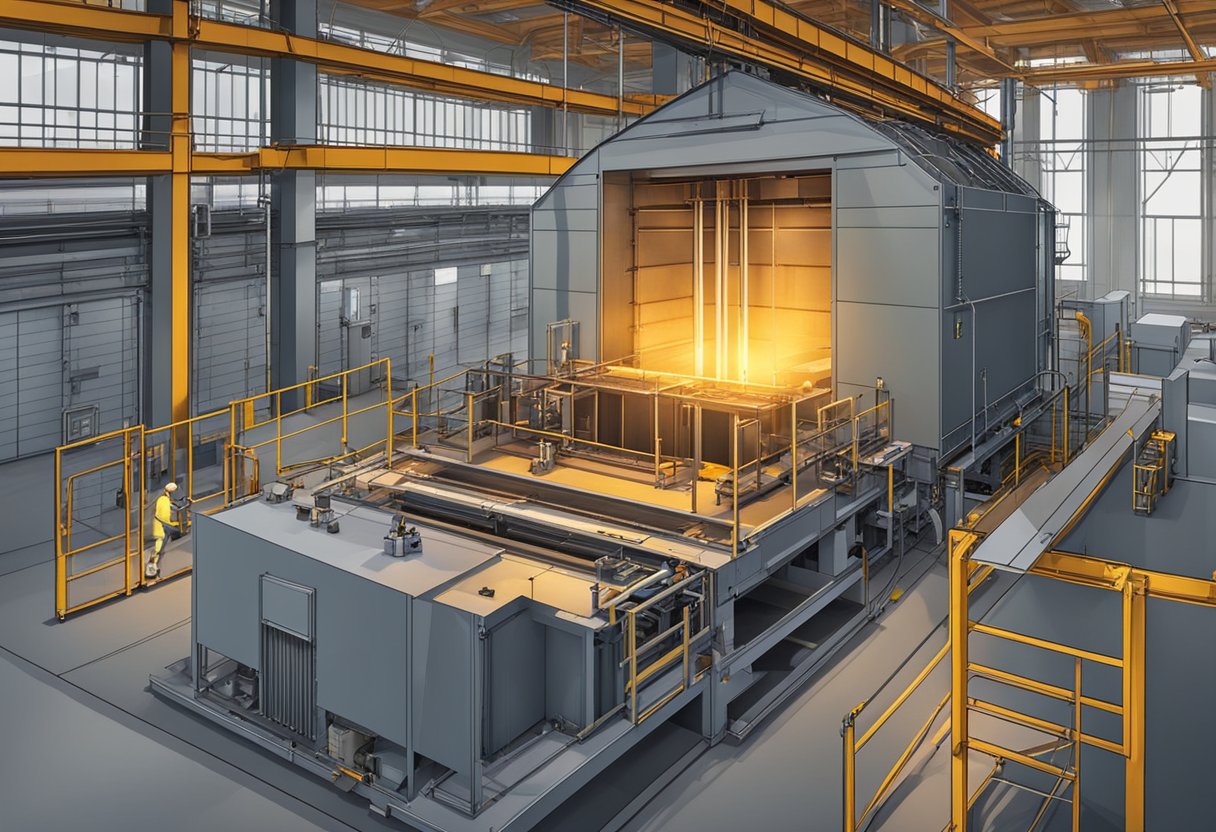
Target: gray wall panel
{"points": [[443, 641], [909, 367], [515, 680], [887, 186], [358, 677], [229, 350], [887, 265], [8, 385]]}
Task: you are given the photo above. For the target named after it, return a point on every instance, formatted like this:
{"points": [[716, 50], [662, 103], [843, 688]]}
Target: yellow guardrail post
{"points": [[60, 561], [414, 417], [388, 410], [958, 546], [848, 732], [468, 412], [126, 520]]}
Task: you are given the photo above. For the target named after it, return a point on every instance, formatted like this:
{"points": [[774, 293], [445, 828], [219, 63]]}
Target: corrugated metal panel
{"points": [[228, 352], [287, 680], [392, 320], [8, 385], [39, 379], [473, 315], [229, 342], [69, 337], [101, 357]]}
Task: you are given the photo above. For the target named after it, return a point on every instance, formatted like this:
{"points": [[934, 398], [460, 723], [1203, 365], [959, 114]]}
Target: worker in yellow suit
{"points": [[164, 522]]}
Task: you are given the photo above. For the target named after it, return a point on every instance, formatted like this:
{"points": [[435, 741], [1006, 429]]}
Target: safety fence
{"points": [[1049, 706], [107, 486], [817, 446]]}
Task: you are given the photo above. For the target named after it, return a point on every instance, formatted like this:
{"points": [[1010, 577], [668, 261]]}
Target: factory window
{"points": [[357, 112], [231, 102], [1063, 152], [61, 96], [1170, 188]]}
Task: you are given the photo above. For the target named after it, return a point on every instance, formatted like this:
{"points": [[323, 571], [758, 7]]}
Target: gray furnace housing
{"points": [[873, 250]]}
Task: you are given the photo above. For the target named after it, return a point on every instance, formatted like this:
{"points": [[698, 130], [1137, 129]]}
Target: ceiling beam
{"points": [[928, 18], [1079, 73], [37, 162], [772, 36], [1196, 53], [99, 23]]}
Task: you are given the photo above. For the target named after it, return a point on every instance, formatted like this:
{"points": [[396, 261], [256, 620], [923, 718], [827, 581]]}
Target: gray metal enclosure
{"points": [[939, 258]]}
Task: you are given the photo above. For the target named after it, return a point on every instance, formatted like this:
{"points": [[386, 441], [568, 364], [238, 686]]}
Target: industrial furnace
{"points": [[760, 328]]}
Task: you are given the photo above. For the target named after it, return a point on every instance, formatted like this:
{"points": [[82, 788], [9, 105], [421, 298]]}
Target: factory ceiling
{"points": [[1040, 41]]}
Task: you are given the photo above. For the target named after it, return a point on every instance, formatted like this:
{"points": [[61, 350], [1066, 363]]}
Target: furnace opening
{"points": [[719, 278]]}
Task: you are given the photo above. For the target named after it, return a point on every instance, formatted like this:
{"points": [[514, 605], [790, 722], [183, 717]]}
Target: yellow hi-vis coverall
{"points": [[162, 517]]}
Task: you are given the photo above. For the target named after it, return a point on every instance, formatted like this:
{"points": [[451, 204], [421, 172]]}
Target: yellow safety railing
{"points": [[259, 436], [647, 662], [1090, 572], [216, 458], [113, 540], [852, 744]]}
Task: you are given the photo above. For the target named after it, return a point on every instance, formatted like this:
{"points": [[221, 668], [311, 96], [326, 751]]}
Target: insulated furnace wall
{"points": [[938, 257]]}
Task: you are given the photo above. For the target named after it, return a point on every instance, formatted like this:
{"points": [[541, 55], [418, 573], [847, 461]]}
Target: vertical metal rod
{"points": [[734, 491], [278, 431], [744, 309], [345, 410], [1133, 703], [633, 667], [565, 81], [696, 454], [269, 307], [1076, 747], [1017, 454], [698, 287], [620, 77], [60, 560], [1053, 432], [658, 459], [126, 489], [958, 546], [718, 266], [849, 746], [468, 406], [388, 411], [414, 417], [772, 292], [684, 681], [1066, 426], [793, 455]]}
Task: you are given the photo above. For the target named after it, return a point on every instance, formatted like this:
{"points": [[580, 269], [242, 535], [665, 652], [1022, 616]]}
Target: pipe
{"points": [[698, 287], [744, 351], [626, 593], [718, 223], [266, 203]]}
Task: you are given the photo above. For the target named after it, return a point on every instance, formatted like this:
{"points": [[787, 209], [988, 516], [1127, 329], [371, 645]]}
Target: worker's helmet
{"points": [[170, 487]]}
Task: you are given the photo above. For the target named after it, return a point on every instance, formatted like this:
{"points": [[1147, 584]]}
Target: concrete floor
{"points": [[78, 702]]}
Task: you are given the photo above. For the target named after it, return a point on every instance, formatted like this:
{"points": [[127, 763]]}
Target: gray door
{"points": [[331, 344], [66, 357]]}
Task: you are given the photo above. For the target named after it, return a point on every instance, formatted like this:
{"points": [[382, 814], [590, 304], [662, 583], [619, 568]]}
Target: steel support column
{"points": [[167, 101], [1009, 111], [293, 120], [1113, 185]]}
